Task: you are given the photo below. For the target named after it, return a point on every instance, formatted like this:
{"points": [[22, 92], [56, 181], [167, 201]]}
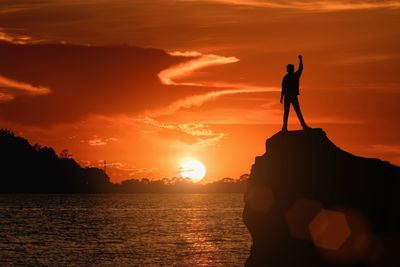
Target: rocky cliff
{"points": [[309, 203]]}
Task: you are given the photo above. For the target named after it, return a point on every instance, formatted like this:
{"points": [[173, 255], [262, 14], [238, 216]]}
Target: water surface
{"points": [[135, 229]]}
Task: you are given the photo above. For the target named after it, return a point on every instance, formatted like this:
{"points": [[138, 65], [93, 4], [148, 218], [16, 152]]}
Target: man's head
{"points": [[290, 68]]}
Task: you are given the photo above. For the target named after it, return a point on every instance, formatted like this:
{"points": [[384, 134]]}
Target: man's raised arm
{"points": [[300, 69]]}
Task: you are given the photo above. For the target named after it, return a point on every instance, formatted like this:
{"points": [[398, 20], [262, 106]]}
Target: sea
{"points": [[123, 230]]}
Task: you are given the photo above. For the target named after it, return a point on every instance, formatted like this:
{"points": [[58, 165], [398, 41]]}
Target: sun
{"points": [[193, 169]]}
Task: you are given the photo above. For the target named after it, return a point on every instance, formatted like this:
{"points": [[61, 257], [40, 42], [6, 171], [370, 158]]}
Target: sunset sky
{"points": [[148, 84]]}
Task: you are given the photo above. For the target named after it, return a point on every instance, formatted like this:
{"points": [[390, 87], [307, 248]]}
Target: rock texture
{"points": [[309, 203]]}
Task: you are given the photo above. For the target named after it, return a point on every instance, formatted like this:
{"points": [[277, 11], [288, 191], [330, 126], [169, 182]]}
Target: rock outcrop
{"points": [[309, 203]]}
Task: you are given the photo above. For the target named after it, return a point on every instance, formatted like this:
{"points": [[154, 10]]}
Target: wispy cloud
{"points": [[168, 76], [195, 129], [153, 122], [198, 100], [4, 97], [9, 89], [21, 39], [15, 39], [126, 170], [207, 142], [12, 10], [203, 135], [97, 141], [315, 6]]}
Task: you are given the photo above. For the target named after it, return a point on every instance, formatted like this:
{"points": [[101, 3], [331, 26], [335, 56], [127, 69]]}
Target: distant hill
{"points": [[309, 203], [38, 169], [35, 169]]}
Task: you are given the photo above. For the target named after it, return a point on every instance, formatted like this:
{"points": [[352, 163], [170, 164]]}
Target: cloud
{"points": [[15, 39], [4, 97], [316, 6], [204, 136], [105, 80], [97, 141], [207, 142], [185, 69], [153, 122], [122, 171], [198, 100], [126, 170], [167, 76], [185, 54], [9, 89], [195, 129], [191, 128], [12, 10]]}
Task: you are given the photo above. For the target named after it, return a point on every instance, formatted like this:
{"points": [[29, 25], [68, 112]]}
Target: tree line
{"points": [[27, 168]]}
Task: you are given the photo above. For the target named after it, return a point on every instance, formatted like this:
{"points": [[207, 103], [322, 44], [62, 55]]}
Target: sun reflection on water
{"points": [[124, 230]]}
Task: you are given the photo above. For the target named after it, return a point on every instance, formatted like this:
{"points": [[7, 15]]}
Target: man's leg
{"points": [[296, 106], [286, 106]]}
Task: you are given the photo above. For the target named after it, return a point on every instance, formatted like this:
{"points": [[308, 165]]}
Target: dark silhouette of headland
{"points": [[38, 169], [309, 203], [27, 168]]}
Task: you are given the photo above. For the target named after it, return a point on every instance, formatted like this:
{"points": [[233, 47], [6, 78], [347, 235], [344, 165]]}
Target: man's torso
{"points": [[291, 83]]}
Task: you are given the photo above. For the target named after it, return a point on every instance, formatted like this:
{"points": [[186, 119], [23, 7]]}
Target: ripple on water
{"points": [[136, 229]]}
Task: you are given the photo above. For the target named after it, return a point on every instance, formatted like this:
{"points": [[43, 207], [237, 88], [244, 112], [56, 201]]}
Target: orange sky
{"points": [[147, 84]]}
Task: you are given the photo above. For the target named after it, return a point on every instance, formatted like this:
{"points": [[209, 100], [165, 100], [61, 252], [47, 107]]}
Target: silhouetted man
{"points": [[290, 89]]}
